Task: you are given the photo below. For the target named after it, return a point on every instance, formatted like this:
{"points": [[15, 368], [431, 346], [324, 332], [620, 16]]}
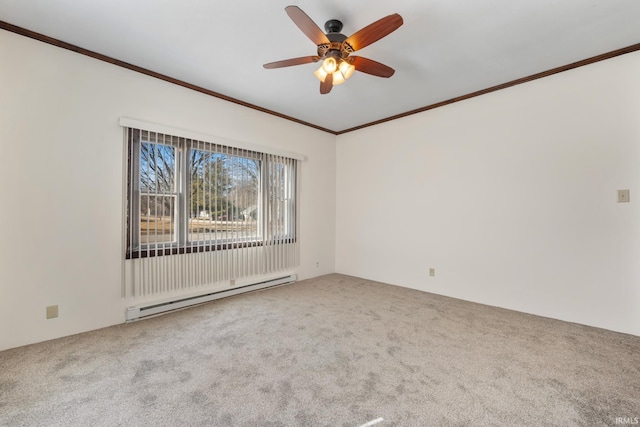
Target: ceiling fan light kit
{"points": [[335, 49], [341, 70]]}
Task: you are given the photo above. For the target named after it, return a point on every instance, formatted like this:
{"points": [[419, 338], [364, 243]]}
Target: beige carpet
{"points": [[330, 351]]}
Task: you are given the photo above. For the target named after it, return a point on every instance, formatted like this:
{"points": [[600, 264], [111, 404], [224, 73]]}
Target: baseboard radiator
{"points": [[141, 312]]}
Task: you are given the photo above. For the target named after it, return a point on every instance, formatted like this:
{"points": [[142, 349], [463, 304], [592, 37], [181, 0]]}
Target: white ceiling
{"points": [[445, 49]]}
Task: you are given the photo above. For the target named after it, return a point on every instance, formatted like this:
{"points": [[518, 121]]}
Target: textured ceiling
{"points": [[445, 49]]}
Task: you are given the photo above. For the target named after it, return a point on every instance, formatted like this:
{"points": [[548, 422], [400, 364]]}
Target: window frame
{"points": [[181, 243]]}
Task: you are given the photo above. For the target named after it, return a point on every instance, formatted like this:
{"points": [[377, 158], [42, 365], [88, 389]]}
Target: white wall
{"points": [[61, 182], [510, 196]]}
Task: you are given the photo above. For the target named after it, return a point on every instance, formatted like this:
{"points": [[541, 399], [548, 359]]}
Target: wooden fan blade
{"points": [[374, 32], [306, 24], [326, 85], [372, 67], [292, 61]]}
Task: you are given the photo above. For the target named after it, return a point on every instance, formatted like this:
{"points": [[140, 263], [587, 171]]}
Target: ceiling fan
{"points": [[335, 49]]}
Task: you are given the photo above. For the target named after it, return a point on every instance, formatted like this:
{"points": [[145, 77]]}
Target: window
{"points": [[186, 196]]}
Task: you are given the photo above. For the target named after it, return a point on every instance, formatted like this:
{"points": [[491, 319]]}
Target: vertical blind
{"points": [[198, 213]]}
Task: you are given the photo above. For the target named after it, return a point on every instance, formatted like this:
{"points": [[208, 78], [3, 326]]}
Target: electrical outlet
{"points": [[432, 272], [623, 196], [52, 311], [232, 282]]}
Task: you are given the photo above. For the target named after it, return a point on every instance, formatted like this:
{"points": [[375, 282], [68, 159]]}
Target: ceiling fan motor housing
{"points": [[337, 48]]}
